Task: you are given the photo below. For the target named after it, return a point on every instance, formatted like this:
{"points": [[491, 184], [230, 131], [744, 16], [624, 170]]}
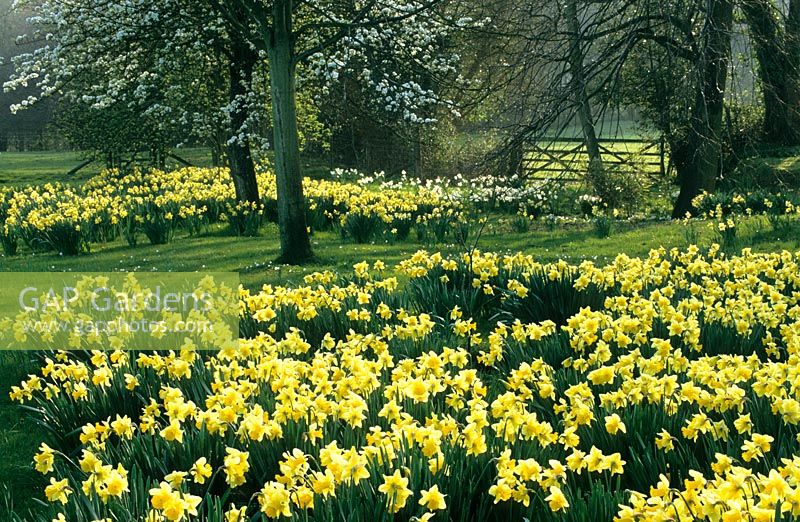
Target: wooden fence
{"points": [[566, 159], [29, 140]]}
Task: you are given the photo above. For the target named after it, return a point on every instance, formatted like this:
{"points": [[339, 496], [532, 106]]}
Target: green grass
{"points": [[252, 258], [19, 440], [780, 172], [33, 168], [623, 128]]}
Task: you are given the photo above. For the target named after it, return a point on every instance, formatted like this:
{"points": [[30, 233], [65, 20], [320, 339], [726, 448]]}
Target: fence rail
{"points": [[566, 159], [31, 140]]}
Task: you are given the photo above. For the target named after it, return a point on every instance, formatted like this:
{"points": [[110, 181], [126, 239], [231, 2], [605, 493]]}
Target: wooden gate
{"points": [[566, 159]]}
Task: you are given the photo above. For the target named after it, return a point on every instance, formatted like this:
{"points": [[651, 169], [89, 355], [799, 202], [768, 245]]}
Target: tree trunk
{"points": [[417, 151], [240, 158], [774, 70], [702, 163], [792, 36], [578, 83], [295, 244], [682, 154], [515, 158], [216, 156]]}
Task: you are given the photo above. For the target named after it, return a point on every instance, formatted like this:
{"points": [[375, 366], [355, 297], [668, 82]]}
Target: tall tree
{"points": [[579, 89], [777, 47], [701, 150], [243, 60], [153, 55], [291, 33]]}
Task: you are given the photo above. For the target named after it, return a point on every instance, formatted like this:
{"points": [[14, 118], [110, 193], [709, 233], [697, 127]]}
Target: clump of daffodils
{"points": [[662, 386]]}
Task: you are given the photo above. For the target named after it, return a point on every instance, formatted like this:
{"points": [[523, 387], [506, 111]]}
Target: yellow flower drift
{"points": [[661, 388], [156, 203]]}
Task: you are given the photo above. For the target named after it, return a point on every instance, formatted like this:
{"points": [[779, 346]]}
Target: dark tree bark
{"points": [[269, 26], [792, 43], [701, 162], [243, 61], [793, 54], [578, 79], [295, 243], [776, 70]]}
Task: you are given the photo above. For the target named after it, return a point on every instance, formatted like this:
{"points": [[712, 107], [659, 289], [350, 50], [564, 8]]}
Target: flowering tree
{"points": [[361, 98], [334, 36], [104, 52], [171, 62]]}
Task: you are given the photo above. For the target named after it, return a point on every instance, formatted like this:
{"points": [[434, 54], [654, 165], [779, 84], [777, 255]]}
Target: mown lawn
{"points": [[25, 168], [217, 250], [33, 168]]}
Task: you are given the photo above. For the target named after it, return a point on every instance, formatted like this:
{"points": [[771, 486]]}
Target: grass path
{"points": [[216, 250]]}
